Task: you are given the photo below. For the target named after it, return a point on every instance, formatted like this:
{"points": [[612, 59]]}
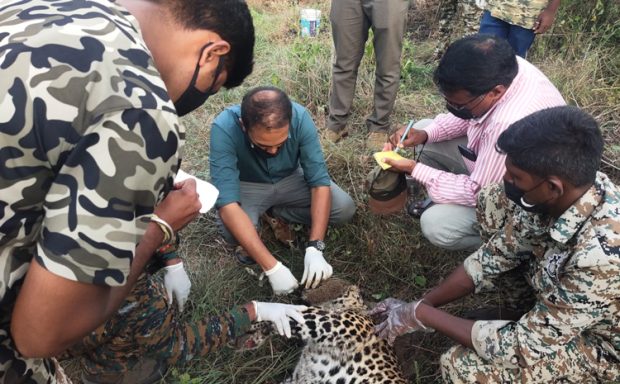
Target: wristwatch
{"points": [[318, 244]]}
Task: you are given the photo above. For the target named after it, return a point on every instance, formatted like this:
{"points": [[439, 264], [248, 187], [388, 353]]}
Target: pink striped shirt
{"points": [[530, 91]]}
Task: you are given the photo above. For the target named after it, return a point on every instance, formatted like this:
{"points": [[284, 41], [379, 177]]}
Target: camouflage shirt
{"points": [[523, 13], [89, 145], [573, 266]]}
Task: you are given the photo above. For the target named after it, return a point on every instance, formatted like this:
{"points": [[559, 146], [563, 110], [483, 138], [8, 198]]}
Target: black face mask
{"points": [[461, 113], [193, 98], [516, 195], [262, 153]]}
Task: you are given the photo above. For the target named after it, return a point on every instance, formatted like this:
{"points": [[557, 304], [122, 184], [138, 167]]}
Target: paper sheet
{"points": [[379, 156], [207, 193]]}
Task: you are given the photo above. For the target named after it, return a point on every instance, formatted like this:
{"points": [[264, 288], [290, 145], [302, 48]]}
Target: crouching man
{"points": [[265, 156], [553, 235]]}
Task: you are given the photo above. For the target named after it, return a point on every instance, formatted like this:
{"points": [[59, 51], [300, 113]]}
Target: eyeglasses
{"points": [[460, 107]]}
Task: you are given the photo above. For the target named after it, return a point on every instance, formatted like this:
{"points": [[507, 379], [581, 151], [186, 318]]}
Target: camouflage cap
{"points": [[387, 191]]}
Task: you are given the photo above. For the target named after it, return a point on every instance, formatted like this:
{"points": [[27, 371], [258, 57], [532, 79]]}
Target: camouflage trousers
{"points": [[457, 18], [578, 362], [148, 326]]}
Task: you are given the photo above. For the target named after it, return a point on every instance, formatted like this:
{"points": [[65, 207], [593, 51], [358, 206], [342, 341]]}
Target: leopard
{"points": [[339, 345]]}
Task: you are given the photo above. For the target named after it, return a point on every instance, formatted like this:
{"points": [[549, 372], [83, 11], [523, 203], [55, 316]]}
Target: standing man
{"points": [[265, 155], [553, 249], [486, 88], [457, 18], [351, 20], [518, 21], [90, 93]]}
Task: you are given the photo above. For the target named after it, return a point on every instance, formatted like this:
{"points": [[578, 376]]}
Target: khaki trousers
{"points": [[351, 21]]}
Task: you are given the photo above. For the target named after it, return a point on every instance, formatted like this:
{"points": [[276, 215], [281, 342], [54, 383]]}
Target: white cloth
{"points": [[207, 193]]}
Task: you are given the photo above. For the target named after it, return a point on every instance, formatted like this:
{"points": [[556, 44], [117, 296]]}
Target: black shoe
{"points": [[242, 256]]}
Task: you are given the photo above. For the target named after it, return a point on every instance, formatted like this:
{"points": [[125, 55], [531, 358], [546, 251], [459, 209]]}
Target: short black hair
{"points": [[562, 141], [232, 20], [270, 110], [476, 63]]}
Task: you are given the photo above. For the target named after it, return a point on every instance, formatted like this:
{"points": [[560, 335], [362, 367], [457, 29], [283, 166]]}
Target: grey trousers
{"points": [[290, 200], [448, 226], [351, 20]]}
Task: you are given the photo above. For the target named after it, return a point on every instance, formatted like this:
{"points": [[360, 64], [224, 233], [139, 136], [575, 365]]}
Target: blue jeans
{"points": [[520, 38]]}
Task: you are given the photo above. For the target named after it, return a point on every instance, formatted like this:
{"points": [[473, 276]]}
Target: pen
{"points": [[404, 136]]}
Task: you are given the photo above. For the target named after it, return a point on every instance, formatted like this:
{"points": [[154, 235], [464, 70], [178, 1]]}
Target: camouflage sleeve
{"points": [[492, 210], [107, 180], [584, 297], [501, 253], [186, 340]]}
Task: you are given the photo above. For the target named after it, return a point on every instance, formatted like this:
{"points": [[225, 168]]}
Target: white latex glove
{"points": [[281, 279], [315, 268], [279, 315], [481, 4], [177, 284], [386, 306], [401, 320]]}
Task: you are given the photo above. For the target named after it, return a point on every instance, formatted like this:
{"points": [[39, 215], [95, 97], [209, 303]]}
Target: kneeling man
{"points": [[553, 251], [266, 156]]}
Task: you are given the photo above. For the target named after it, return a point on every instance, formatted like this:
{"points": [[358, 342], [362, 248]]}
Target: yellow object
{"points": [[379, 156]]}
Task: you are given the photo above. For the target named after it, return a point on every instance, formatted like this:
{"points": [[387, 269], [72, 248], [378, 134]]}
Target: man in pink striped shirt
{"points": [[486, 88]]}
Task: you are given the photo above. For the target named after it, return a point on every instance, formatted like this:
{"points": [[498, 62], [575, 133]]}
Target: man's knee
{"points": [[423, 123], [435, 231], [453, 363], [343, 209], [225, 232], [438, 228]]}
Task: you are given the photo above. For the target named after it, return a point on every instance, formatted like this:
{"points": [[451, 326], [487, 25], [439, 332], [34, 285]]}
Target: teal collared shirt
{"points": [[232, 159]]}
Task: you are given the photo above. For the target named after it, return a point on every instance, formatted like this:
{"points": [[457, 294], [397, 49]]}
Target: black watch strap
{"points": [[318, 244]]}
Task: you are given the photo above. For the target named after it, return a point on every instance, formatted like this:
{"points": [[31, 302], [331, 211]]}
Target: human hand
{"points": [[386, 306], [316, 268], [279, 315], [181, 206], [281, 279], [402, 165], [401, 319], [415, 137], [177, 284], [545, 21]]}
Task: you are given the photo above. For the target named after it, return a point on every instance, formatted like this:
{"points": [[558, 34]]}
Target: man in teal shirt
{"points": [[266, 155]]}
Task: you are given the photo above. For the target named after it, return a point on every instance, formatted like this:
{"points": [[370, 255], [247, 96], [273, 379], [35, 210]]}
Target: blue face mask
{"points": [[192, 97], [516, 194]]}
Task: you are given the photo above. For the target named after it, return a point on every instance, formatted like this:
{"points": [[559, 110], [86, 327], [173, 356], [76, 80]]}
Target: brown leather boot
{"points": [[376, 140], [281, 229]]}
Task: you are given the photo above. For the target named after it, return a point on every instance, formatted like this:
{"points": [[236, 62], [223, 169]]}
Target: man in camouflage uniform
{"points": [[554, 238], [518, 21], [456, 19], [90, 145]]}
